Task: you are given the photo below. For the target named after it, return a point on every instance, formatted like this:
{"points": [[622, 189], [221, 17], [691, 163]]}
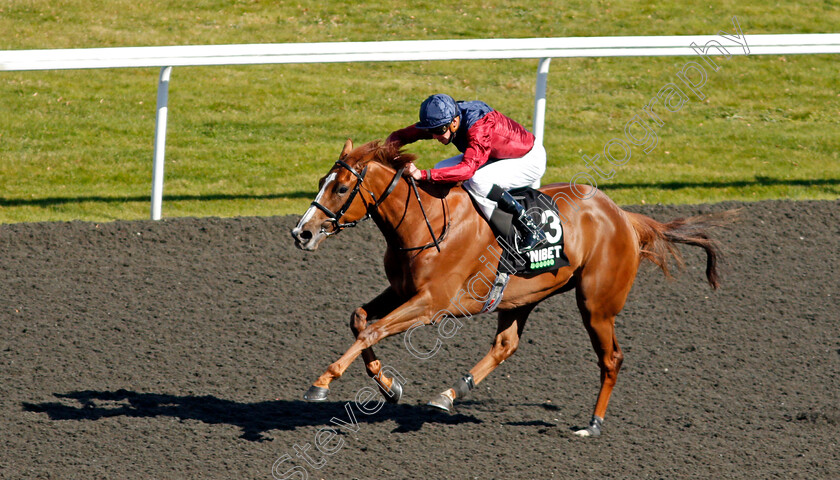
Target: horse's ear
{"points": [[348, 146]]}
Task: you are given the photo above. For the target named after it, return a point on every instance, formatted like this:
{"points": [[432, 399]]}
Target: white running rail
{"points": [[330, 52]]}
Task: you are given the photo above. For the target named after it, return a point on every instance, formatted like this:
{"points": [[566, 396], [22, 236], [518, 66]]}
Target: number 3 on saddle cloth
{"points": [[547, 256]]}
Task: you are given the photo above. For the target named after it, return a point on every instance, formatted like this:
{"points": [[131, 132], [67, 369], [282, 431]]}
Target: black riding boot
{"points": [[530, 235]]}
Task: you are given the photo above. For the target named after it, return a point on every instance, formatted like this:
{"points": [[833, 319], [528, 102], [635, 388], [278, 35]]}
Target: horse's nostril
{"points": [[301, 236]]}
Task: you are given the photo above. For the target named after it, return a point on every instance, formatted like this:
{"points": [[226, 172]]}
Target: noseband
{"points": [[335, 217]]}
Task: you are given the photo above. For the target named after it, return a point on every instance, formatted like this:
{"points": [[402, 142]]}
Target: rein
{"points": [[335, 217], [435, 241]]}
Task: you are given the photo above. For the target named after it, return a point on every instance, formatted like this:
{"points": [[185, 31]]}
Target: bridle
{"points": [[335, 217]]}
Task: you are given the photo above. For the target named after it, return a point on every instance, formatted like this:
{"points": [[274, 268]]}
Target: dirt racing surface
{"points": [[181, 349]]}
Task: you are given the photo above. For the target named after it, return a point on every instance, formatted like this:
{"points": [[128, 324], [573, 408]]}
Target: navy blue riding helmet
{"points": [[437, 110]]}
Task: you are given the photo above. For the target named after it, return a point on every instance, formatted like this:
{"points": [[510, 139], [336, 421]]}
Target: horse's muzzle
{"points": [[305, 239]]}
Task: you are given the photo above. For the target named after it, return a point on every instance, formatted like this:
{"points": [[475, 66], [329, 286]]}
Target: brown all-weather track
{"points": [[180, 349]]}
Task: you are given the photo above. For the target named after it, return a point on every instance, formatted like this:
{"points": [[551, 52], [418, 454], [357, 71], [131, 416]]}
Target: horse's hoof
{"points": [[594, 428], [395, 394], [441, 402], [316, 394]]}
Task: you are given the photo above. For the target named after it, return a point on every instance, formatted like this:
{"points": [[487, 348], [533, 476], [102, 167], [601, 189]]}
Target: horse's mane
{"points": [[392, 155], [389, 154]]}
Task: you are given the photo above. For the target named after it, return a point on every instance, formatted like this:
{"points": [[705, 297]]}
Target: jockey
{"points": [[497, 154]]}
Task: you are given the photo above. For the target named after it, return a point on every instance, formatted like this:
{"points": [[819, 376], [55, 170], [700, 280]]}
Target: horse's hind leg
{"points": [[377, 308], [601, 329], [508, 332], [600, 296]]}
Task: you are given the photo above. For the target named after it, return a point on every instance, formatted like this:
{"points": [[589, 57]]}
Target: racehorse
{"points": [[438, 247]]}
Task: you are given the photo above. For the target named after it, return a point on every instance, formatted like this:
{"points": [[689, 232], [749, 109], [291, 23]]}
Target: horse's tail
{"points": [[657, 240]]}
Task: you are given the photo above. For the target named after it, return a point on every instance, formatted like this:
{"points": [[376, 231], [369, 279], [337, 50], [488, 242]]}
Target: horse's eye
{"points": [[342, 189]]}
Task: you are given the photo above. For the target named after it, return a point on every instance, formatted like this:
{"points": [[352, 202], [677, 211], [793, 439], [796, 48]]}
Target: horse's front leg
{"points": [[417, 308], [377, 308]]}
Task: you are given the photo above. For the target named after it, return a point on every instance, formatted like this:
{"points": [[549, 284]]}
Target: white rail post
{"points": [[160, 141], [539, 100]]}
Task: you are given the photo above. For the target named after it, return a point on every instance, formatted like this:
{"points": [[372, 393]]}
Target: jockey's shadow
{"points": [[253, 418]]}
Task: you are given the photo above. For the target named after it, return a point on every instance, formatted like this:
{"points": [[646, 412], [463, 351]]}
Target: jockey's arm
{"points": [[476, 154], [409, 134]]}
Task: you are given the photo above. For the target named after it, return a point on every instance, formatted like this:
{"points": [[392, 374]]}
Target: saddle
{"points": [[549, 255]]}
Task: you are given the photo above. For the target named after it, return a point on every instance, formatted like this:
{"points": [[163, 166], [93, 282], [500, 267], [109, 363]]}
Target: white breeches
{"points": [[508, 173]]}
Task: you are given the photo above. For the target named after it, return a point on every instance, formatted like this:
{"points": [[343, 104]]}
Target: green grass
{"points": [[253, 140]]}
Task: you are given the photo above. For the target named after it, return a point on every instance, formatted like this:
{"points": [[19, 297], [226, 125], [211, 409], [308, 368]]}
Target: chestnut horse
{"points": [[438, 247]]}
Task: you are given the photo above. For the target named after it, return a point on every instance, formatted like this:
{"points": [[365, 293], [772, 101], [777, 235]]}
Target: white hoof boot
{"points": [[594, 428]]}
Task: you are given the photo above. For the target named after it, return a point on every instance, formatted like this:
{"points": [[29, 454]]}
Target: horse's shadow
{"points": [[253, 418]]}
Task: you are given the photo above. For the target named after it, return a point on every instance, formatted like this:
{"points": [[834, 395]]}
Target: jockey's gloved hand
{"points": [[412, 171]]}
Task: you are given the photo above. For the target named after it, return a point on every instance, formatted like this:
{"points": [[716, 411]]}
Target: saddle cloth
{"points": [[548, 255]]}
